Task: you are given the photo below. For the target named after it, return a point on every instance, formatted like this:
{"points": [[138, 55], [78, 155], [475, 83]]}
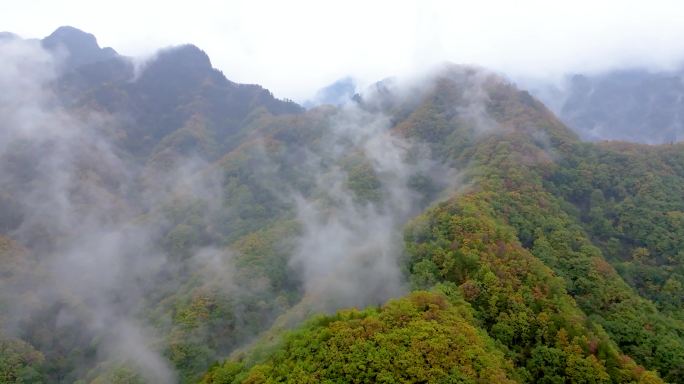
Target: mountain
{"points": [[180, 227], [338, 93], [540, 250], [629, 105], [170, 91], [7, 36], [78, 47]]}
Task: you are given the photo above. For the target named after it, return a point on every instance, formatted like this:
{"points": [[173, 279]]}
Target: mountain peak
{"points": [[186, 56], [68, 33], [80, 47], [176, 70], [8, 36], [337, 93]]}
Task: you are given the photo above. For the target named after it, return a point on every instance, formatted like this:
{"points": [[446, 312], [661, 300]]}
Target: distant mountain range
{"points": [[101, 78], [634, 105], [338, 93], [630, 105]]}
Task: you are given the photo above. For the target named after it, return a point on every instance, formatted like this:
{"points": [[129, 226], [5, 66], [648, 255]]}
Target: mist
{"points": [[349, 252], [106, 236], [163, 209], [89, 218], [164, 217]]}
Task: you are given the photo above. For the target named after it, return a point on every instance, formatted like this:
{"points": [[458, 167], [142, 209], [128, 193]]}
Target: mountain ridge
{"points": [[179, 227], [79, 47]]}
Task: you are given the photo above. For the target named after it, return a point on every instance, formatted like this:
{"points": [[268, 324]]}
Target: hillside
{"points": [[520, 249], [180, 227]]}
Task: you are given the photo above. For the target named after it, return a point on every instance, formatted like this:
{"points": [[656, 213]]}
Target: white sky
{"points": [[295, 47]]}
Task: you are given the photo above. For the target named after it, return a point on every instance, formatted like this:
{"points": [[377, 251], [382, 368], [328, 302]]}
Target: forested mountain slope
{"points": [[176, 219], [516, 249]]}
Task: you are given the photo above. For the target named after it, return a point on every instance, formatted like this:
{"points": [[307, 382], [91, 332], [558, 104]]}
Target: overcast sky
{"points": [[294, 47]]}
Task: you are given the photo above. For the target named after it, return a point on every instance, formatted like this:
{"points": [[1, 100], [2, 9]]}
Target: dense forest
{"points": [[180, 227]]}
